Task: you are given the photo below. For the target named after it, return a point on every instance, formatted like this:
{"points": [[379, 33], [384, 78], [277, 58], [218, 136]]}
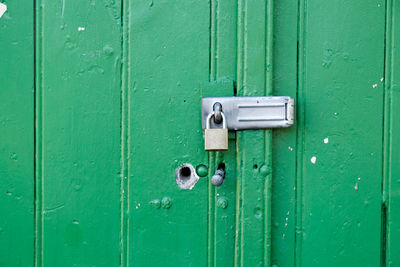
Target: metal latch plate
{"points": [[251, 112]]}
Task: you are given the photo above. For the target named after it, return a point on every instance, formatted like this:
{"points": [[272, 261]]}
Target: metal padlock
{"points": [[215, 138]]}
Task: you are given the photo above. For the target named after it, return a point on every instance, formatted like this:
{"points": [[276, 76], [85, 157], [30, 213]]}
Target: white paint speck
{"points": [[382, 79], [374, 85], [356, 186], [359, 178], [290, 148], [81, 29], [313, 159], [335, 113], [379, 5], [326, 140], [3, 9]]}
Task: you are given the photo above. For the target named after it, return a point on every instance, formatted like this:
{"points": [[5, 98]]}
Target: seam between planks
{"points": [[387, 128], [125, 130], [301, 25], [268, 90], [38, 121], [38, 134]]}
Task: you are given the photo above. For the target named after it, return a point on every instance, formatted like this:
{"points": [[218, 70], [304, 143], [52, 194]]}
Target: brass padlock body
{"points": [[216, 139]]}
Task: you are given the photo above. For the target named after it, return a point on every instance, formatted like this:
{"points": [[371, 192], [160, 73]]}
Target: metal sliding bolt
{"points": [[218, 177]]}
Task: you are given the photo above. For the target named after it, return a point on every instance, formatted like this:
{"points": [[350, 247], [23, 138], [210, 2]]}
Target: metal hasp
{"points": [[244, 113]]}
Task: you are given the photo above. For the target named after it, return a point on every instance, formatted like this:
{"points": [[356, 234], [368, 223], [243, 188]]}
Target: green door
{"points": [[101, 106]]}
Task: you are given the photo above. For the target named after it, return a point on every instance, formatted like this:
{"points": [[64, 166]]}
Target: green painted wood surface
{"points": [[340, 98], [392, 140], [221, 200], [101, 104], [168, 62], [78, 133], [254, 77], [16, 135], [284, 140]]}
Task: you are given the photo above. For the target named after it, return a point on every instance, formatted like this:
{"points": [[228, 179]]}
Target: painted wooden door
{"points": [[100, 104]]}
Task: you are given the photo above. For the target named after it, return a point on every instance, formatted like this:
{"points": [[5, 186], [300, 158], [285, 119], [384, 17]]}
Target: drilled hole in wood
{"points": [[185, 173], [186, 176]]}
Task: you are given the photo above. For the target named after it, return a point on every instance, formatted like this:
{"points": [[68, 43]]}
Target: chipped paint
{"points": [[313, 159], [3, 9], [326, 140], [81, 29], [356, 186]]}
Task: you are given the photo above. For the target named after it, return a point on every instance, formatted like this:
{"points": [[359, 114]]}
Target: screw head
{"points": [[166, 203], [265, 170], [222, 203]]}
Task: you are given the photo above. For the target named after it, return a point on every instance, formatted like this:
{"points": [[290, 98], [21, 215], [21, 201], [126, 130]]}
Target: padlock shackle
{"points": [[209, 119]]}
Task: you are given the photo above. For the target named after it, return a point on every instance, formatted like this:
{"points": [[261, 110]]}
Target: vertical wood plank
{"points": [[169, 54], [222, 77], [78, 134], [392, 133], [16, 134], [254, 71], [284, 140], [340, 165]]}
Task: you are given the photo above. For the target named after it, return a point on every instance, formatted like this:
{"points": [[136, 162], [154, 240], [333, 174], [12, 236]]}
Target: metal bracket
{"points": [[244, 113]]}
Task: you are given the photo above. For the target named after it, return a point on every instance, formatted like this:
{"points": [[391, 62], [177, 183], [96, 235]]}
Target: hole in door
{"points": [[186, 176]]}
